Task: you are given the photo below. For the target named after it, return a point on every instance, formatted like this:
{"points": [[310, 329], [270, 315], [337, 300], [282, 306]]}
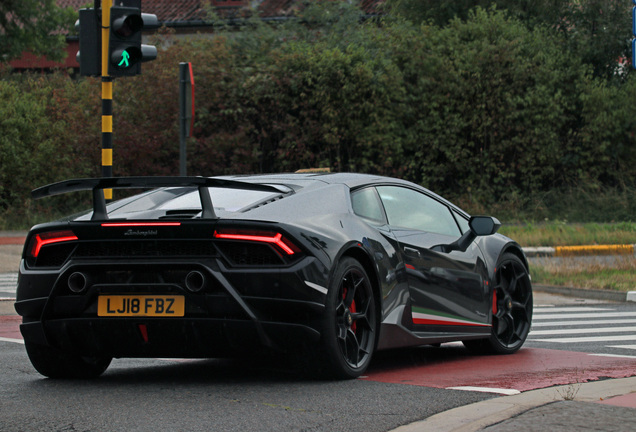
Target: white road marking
{"points": [[589, 339], [623, 346], [486, 390], [614, 355], [560, 316], [583, 331], [569, 309], [18, 341], [586, 322]]}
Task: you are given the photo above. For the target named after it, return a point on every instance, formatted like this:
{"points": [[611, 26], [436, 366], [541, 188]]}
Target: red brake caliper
{"points": [[352, 309], [494, 302]]}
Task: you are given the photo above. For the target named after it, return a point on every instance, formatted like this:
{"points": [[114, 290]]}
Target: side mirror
{"points": [[484, 225], [479, 226]]}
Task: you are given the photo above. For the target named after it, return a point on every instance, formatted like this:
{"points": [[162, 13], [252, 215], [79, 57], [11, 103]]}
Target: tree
{"points": [[36, 26], [595, 30]]}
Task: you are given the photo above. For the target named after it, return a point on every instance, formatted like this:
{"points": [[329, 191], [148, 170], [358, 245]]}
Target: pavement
{"points": [[605, 405], [608, 405]]}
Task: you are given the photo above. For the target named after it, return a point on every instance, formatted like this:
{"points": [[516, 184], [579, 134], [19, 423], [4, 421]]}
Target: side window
{"points": [[366, 204], [462, 222], [407, 208]]}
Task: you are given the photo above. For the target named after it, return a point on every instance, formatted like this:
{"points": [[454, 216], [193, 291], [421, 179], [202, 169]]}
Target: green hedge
{"points": [[480, 110]]}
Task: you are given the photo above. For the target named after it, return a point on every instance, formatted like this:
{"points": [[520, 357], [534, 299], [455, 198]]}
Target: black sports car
{"points": [[327, 268]]}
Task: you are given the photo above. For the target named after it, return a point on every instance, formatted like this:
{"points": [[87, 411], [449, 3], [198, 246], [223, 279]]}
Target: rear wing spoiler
{"points": [[97, 185]]}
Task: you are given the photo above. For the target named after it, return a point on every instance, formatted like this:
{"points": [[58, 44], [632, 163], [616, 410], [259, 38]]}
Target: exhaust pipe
{"points": [[195, 281], [77, 282]]}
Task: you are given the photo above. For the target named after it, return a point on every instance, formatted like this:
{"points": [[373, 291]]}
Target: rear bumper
{"points": [[183, 337], [237, 311]]}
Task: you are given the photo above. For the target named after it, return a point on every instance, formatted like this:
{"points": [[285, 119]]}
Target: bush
{"points": [[485, 110]]}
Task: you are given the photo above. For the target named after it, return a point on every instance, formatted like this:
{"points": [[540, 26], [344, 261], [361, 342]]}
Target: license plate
{"points": [[140, 305]]}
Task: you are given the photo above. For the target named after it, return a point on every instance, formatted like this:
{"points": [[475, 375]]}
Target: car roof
{"points": [[351, 180], [309, 181]]}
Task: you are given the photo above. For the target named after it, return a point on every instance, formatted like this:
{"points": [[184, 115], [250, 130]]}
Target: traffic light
{"points": [[125, 51], [90, 43]]}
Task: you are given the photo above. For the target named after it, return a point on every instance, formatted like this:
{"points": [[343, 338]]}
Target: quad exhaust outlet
{"points": [[195, 281], [77, 282]]}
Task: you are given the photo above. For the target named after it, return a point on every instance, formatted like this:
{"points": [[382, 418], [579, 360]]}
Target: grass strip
{"points": [[531, 234], [617, 274]]}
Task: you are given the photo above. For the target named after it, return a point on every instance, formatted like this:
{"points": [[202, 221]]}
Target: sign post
{"points": [[634, 34], [107, 101], [186, 111]]}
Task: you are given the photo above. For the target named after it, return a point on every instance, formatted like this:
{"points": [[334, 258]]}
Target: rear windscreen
{"points": [[230, 200]]}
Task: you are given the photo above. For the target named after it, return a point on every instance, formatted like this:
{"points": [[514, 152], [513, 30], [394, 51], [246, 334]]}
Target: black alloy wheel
{"points": [[511, 309], [350, 326]]}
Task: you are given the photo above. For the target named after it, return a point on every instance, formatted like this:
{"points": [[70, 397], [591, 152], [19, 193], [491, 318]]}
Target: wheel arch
{"points": [[360, 255], [495, 246], [516, 250]]}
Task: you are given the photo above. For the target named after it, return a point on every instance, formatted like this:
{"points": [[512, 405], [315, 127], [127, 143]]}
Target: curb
{"points": [[19, 241], [12, 238], [477, 416], [614, 296], [589, 250]]}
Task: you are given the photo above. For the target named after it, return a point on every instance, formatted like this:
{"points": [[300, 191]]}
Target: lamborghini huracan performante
{"points": [[324, 268]]}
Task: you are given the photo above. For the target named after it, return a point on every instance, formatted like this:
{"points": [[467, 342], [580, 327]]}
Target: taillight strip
{"points": [[276, 238], [139, 224], [44, 239]]}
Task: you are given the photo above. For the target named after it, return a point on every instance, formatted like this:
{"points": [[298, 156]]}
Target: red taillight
{"points": [[276, 239], [140, 224], [47, 238]]}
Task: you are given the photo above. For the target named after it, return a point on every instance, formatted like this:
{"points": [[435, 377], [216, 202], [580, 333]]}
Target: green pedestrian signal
{"points": [[126, 52], [124, 59]]}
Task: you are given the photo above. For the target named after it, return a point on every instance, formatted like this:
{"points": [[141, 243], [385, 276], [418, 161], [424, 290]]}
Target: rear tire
{"points": [[512, 309], [350, 323], [54, 363]]}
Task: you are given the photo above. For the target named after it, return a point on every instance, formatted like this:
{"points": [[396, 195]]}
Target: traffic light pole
{"points": [[118, 31], [107, 101]]}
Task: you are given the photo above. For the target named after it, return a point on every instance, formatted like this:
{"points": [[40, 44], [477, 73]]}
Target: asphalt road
{"points": [[401, 387], [255, 395], [150, 395]]}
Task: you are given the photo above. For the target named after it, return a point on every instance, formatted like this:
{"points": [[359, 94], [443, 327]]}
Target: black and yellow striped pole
{"points": [[107, 101], [121, 53]]}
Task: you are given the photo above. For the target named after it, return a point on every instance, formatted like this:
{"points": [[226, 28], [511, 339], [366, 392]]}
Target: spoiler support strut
{"points": [[99, 205]]}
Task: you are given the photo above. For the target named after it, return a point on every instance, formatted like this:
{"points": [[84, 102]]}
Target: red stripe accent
{"points": [[192, 84], [452, 323]]}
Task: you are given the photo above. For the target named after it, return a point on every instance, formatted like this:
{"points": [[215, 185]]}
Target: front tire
{"points": [[350, 323], [512, 309], [54, 363]]}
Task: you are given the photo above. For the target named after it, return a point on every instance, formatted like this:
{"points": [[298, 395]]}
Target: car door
{"points": [[448, 291]]}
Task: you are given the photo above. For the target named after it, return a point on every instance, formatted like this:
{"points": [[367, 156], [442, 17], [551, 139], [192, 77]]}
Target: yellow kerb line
{"points": [[594, 250]]}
